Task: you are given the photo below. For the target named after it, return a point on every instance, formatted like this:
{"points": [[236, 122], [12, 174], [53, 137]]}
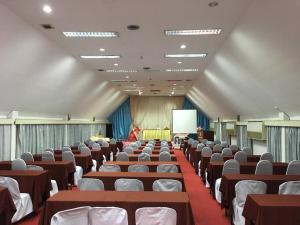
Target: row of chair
{"points": [[245, 187], [130, 185], [163, 156], [87, 215], [161, 168]]}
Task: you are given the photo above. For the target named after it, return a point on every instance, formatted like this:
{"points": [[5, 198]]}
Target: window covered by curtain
{"points": [[121, 120], [225, 136], [218, 131], [99, 129], [242, 137], [292, 143], [274, 142], [78, 132], [202, 119], [5, 134]]}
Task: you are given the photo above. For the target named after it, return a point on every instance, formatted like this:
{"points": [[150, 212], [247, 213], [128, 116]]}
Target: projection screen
{"points": [[184, 121]]}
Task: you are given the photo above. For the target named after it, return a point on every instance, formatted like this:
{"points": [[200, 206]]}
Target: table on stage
{"points": [[129, 200], [7, 207], [157, 134]]}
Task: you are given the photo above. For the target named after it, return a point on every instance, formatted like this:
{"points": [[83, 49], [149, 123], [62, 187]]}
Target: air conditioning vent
{"points": [[47, 26]]}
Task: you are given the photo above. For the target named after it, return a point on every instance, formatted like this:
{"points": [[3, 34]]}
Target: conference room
{"points": [[149, 112]]}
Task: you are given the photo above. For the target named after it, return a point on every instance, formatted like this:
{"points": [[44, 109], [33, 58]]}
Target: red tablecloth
{"points": [[7, 207]]}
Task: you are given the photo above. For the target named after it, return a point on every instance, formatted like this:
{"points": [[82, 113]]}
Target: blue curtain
{"points": [[202, 119], [121, 120]]}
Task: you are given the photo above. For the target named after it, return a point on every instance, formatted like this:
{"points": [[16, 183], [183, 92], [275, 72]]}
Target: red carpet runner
{"points": [[206, 210]]}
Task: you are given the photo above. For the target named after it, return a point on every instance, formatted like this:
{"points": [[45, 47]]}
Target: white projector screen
{"points": [[184, 121]]}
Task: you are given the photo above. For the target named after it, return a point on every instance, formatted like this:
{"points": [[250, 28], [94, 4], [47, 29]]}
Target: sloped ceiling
{"points": [[38, 78], [257, 68]]}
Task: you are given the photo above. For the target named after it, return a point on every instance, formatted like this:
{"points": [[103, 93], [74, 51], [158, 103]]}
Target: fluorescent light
{"points": [[172, 92], [47, 9], [200, 55], [121, 71], [182, 46], [100, 56], [192, 32], [181, 70], [102, 49], [116, 64], [127, 77], [109, 34], [179, 62]]}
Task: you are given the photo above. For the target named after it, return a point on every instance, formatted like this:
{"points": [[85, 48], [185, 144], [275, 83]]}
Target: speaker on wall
{"points": [[109, 132]]}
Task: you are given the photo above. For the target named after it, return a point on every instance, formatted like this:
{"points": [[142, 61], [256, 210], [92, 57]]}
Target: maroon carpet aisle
{"points": [[206, 210]]}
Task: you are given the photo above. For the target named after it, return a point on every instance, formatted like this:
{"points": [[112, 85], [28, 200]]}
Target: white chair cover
{"points": [[122, 156], [129, 185], [164, 149], [108, 216], [147, 150], [22, 201], [90, 184], [242, 189], [216, 157], [155, 216], [96, 146], [110, 168], [264, 167], [87, 151], [134, 146], [234, 147], [49, 150], [226, 152], [293, 168], [247, 150], [18, 164], [204, 141], [206, 151], [69, 156], [217, 147], [48, 156], [76, 216], [144, 157], [104, 144], [217, 142], [27, 157], [210, 144], [241, 157], [224, 144], [34, 167], [267, 156], [138, 168], [289, 188], [167, 168], [167, 185], [66, 149], [128, 150], [194, 144], [200, 146], [165, 156], [113, 141]]}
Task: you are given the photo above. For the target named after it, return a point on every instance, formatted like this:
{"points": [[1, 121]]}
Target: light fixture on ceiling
{"points": [[100, 56], [121, 71], [133, 27], [183, 46], [192, 55], [108, 34], [181, 70], [140, 92], [116, 64], [179, 62], [192, 32], [213, 4], [172, 92], [102, 49], [174, 84], [47, 9], [127, 77]]}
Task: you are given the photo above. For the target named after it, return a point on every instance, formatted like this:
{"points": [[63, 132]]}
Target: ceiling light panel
{"points": [[121, 71], [181, 70], [192, 32], [109, 34], [193, 55], [100, 56]]}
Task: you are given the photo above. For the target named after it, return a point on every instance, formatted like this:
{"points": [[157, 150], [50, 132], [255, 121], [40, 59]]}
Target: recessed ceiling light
{"points": [[182, 46], [100, 56], [121, 71], [109, 34], [174, 84], [173, 88], [127, 77], [116, 64], [102, 49], [179, 62], [193, 32], [193, 55], [213, 4], [47, 9], [181, 70], [172, 92]]}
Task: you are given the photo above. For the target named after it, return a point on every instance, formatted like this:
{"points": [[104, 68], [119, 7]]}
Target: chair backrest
{"points": [[234, 147], [156, 215], [110, 168], [190, 141], [90, 143], [194, 144], [86, 150], [138, 168], [204, 141], [48, 156], [217, 147], [247, 150], [210, 144], [34, 167], [113, 141], [293, 168], [206, 151], [245, 187], [164, 149], [66, 149], [134, 146], [165, 156], [217, 142], [68, 156], [129, 185], [267, 156], [81, 146], [224, 144], [122, 156], [18, 164], [147, 150], [241, 157], [90, 184], [200, 146], [167, 168], [49, 150], [105, 144], [12, 186], [108, 216], [74, 216], [226, 152], [216, 157], [144, 157], [289, 188], [96, 146], [27, 157], [128, 150], [264, 167], [231, 166], [167, 185]]}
